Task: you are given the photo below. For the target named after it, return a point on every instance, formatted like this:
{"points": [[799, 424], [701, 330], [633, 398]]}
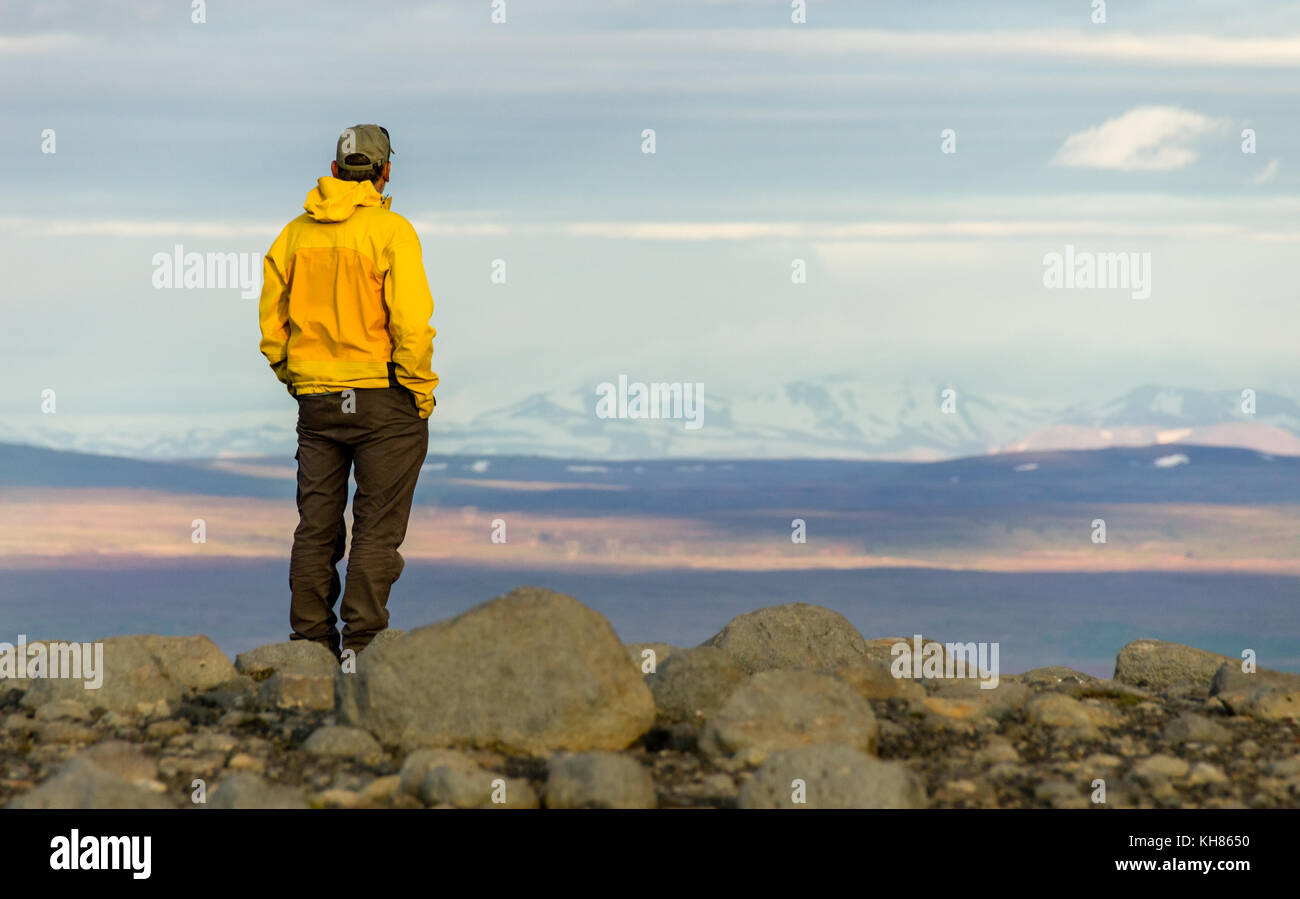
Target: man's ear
{"points": [[388, 168], [334, 168]]}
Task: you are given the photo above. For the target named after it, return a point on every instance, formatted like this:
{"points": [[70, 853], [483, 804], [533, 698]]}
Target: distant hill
{"points": [[1153, 474], [829, 418]]}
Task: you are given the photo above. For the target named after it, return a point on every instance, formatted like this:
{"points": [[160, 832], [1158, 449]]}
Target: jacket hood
{"points": [[334, 200]]}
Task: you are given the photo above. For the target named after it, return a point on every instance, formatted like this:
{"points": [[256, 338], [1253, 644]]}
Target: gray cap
{"points": [[361, 148]]}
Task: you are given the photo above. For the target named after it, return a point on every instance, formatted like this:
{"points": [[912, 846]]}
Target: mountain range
{"points": [[814, 418]]}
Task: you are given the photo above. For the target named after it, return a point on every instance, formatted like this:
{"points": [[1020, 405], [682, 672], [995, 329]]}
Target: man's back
{"points": [[345, 303]]}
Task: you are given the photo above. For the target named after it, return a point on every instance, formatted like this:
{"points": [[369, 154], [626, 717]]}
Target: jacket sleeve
{"points": [[410, 308], [273, 311]]}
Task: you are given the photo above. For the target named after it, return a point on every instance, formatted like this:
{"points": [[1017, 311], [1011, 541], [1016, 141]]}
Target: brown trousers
{"points": [[381, 433]]}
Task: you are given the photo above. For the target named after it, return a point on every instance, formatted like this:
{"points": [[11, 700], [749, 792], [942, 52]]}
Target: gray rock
{"points": [[384, 637], [1262, 694], [1007, 698], [1158, 665], [1108, 689], [291, 675], [598, 780], [833, 776], [442, 777], [62, 708], [1287, 767], [122, 759], [462, 788], [998, 750], [1053, 676], [1229, 678], [874, 680], [164, 730], [1059, 710], [693, 684], [533, 672], [1157, 768], [881, 649], [248, 791], [417, 765], [343, 742], [287, 690], [190, 766], [1060, 794], [83, 784], [1192, 728], [63, 731], [1206, 773], [636, 652], [140, 672], [1267, 702], [240, 693], [796, 635], [777, 710], [291, 657]]}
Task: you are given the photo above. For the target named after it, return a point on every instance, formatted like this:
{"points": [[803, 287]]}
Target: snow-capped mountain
{"points": [[815, 418]]}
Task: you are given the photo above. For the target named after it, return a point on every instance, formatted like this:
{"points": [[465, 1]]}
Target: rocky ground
{"points": [[530, 700]]}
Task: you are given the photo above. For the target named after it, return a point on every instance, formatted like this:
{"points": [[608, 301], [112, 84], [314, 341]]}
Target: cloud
{"points": [[42, 44], [850, 232], [1144, 139], [1268, 173]]}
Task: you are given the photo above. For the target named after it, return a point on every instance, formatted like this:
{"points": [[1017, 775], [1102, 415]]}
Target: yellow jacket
{"points": [[345, 303]]}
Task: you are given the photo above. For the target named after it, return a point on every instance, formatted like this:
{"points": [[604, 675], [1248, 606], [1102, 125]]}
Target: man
{"points": [[345, 315]]}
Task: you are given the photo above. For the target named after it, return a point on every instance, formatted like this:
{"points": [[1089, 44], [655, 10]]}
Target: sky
{"points": [[775, 141]]}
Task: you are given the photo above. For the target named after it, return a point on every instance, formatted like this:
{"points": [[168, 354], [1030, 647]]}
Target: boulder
{"points": [[831, 776], [245, 790], [293, 657], [1229, 678], [294, 674], [1206, 773], [112, 775], [873, 680], [417, 765], [125, 760], [338, 741], [62, 709], [1261, 694], [286, 690], [1059, 710], [777, 710], [965, 699], [1156, 768], [1054, 675], [384, 637], [636, 652], [796, 635], [1158, 665], [530, 672], [1265, 701], [694, 683], [442, 777], [598, 780], [1192, 728], [143, 674], [881, 649]]}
